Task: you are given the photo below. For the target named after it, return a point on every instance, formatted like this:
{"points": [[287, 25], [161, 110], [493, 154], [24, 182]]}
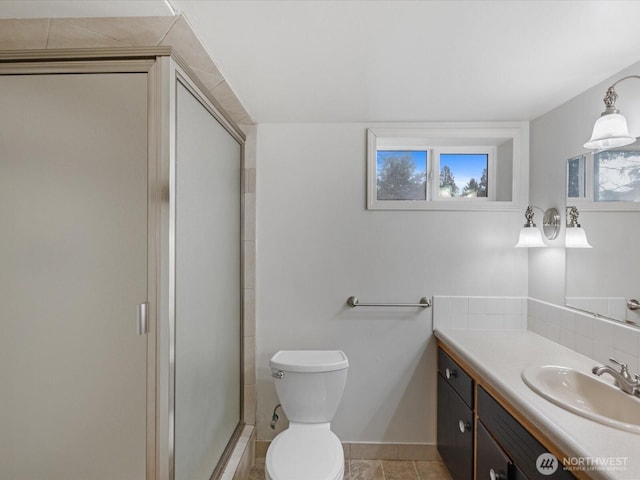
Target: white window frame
{"points": [[452, 138]]}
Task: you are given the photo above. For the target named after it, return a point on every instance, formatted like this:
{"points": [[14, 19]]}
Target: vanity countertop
{"points": [[500, 357]]}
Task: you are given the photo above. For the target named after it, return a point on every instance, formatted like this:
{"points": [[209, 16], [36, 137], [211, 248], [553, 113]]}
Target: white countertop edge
{"points": [[499, 357]]}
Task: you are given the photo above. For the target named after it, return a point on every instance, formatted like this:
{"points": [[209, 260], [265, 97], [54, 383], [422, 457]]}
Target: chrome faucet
{"points": [[623, 379]]}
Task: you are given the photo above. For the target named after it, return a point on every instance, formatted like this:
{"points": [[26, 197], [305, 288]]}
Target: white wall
{"points": [[317, 245], [504, 171], [556, 137]]}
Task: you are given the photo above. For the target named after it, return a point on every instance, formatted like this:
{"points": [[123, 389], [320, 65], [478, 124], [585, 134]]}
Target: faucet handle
{"points": [[624, 368]]}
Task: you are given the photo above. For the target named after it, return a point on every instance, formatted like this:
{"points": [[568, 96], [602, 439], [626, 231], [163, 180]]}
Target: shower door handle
{"points": [[143, 321]]}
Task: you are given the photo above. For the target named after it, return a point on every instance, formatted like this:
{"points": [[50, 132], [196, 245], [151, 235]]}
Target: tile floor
{"points": [[381, 470]]}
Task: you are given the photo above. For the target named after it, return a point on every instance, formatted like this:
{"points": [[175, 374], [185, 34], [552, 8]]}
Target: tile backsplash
{"points": [[480, 313], [612, 307], [594, 337]]}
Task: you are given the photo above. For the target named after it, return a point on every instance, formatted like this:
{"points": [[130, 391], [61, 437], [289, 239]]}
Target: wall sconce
{"points": [[576, 237], [530, 235], [610, 130]]}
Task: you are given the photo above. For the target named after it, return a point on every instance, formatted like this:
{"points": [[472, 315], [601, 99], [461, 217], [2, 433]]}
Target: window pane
{"points": [[616, 176], [401, 175], [576, 178], [463, 174]]}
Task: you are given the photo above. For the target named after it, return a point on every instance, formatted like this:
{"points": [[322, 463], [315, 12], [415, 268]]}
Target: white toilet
{"points": [[309, 384]]}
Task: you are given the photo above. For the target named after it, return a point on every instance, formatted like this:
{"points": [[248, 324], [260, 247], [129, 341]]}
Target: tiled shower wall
{"points": [[249, 275], [594, 337]]}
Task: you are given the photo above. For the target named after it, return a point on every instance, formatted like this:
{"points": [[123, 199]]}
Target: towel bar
{"points": [[354, 302]]}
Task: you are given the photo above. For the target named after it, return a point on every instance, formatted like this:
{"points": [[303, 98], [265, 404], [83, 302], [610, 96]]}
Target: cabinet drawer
{"points": [[455, 432], [492, 463], [520, 445], [456, 377]]}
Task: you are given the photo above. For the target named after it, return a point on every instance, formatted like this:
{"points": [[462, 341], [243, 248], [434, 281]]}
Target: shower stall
{"points": [[121, 189]]}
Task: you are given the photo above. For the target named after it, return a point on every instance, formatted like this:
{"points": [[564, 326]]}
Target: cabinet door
{"points": [[492, 463], [455, 432], [517, 474], [523, 449], [73, 250]]}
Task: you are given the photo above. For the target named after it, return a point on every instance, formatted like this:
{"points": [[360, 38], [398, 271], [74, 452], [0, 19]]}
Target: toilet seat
{"points": [[305, 452]]}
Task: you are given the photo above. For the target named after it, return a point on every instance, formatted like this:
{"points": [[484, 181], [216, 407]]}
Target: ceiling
{"points": [[390, 61]]}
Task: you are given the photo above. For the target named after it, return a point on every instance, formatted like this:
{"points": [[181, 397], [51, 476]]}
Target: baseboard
{"points": [[375, 451]]}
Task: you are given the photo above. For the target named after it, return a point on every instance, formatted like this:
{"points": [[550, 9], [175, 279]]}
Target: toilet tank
{"points": [[309, 383]]}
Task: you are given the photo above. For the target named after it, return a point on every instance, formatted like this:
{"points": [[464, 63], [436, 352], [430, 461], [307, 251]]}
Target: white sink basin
{"points": [[585, 395]]}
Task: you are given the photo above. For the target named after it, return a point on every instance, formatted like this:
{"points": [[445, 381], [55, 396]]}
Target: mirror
{"points": [[605, 187], [447, 167]]}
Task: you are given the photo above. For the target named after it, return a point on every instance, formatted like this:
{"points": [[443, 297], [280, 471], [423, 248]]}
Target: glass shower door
{"points": [[73, 257], [207, 325]]}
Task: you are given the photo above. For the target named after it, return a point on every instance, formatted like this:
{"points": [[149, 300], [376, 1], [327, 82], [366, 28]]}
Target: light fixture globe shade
{"points": [[576, 237], [609, 131], [530, 237]]}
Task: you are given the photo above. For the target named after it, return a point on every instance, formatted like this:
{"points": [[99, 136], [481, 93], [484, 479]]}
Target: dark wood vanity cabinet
{"points": [[455, 418], [522, 448], [503, 449]]}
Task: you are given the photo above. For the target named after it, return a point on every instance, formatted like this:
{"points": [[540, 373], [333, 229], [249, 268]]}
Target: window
{"points": [[401, 175], [459, 173], [606, 180], [576, 177], [616, 176], [450, 168], [464, 172]]}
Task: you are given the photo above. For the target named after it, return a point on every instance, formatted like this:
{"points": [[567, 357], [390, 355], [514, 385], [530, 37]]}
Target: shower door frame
{"points": [[173, 72]]}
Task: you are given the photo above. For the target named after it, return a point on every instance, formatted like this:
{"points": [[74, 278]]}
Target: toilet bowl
{"points": [[304, 452], [309, 384]]}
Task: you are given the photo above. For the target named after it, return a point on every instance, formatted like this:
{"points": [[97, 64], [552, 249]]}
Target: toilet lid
{"points": [[310, 454]]}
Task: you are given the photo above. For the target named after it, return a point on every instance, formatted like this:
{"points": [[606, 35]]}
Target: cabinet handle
{"points": [[464, 426], [450, 373], [496, 476]]}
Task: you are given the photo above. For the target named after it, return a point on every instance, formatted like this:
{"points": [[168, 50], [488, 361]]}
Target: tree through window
{"points": [[470, 169], [401, 175]]}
